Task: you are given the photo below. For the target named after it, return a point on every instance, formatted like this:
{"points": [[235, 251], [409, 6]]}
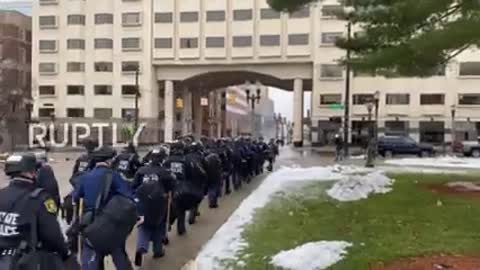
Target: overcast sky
{"points": [[283, 99]]}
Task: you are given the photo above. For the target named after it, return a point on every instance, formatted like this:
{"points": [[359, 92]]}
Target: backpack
{"points": [[152, 195], [110, 223]]}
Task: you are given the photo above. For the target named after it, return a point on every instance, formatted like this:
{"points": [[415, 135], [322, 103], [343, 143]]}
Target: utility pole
{"points": [[346, 120]]}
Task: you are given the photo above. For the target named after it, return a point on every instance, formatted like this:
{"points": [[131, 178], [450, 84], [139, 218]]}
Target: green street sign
{"points": [[336, 107]]}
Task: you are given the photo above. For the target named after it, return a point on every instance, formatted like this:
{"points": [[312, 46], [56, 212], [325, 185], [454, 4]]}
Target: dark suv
{"points": [[402, 145]]}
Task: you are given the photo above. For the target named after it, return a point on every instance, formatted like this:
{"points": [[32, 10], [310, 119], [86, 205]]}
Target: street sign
{"points": [[203, 101], [336, 107]]}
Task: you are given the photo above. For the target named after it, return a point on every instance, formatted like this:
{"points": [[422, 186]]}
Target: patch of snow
{"points": [[312, 256], [358, 157], [357, 187], [423, 170], [438, 162], [228, 240], [465, 185]]}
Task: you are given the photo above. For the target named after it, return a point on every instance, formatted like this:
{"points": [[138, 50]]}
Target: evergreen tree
{"points": [[406, 37]]}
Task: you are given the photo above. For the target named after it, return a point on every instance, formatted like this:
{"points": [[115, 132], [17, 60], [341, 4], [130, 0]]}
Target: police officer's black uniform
{"points": [[21, 202]]}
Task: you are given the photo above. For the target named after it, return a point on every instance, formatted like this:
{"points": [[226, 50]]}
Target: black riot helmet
{"points": [[157, 155], [195, 147], [103, 154], [17, 164], [90, 145], [177, 148]]}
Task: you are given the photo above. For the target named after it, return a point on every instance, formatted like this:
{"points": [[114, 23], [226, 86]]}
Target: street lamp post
{"points": [[253, 99], [137, 96], [376, 98], [370, 147]]}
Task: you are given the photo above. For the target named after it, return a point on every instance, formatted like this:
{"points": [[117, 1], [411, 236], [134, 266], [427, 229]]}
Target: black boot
{"points": [[138, 258]]}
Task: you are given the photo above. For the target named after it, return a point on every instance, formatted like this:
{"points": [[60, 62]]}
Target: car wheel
{"points": [[476, 153], [388, 154], [424, 154]]}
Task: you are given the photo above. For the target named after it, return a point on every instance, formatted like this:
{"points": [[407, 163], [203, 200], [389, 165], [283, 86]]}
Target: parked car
{"points": [[467, 148], [389, 146]]}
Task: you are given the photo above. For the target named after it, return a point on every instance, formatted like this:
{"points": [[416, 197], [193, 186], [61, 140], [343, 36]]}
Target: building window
{"points": [[47, 46], [269, 40], [102, 90], [432, 99], [469, 69], [129, 44], [103, 67], [215, 42], [131, 19], [46, 90], [398, 99], [47, 68], [47, 22], [48, 2], [76, 19], [163, 43], [75, 67], [75, 90], [102, 113], [301, 13], [242, 41], [163, 17], [129, 90], [190, 16], [361, 99], [75, 44], [46, 112], [128, 113], [75, 112], [130, 66], [298, 39], [242, 15], [469, 99], [331, 37], [432, 132], [215, 16], [331, 11], [104, 18], [103, 43], [330, 99], [331, 71], [188, 43], [269, 14]]}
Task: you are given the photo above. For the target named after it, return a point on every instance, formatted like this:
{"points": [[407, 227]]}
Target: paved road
{"points": [[184, 248]]}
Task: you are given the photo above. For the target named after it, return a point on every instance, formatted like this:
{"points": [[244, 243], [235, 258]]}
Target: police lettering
{"points": [[8, 224], [177, 167], [148, 178]]}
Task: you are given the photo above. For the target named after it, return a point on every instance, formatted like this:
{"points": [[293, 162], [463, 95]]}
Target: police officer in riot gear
{"points": [[46, 179], [23, 205], [127, 163], [89, 187], [152, 184], [199, 178], [185, 195]]}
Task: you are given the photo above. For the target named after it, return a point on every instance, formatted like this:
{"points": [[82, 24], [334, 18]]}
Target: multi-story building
{"points": [[419, 107], [86, 54], [15, 77]]}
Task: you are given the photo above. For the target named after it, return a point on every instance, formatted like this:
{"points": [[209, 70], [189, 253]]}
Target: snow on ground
{"points": [[228, 240], [311, 256], [357, 187], [438, 162]]}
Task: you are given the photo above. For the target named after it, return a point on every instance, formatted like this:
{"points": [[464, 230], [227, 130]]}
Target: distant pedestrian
{"points": [[338, 147]]}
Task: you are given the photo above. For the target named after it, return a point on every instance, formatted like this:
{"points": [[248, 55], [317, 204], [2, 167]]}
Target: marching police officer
{"points": [[88, 189], [23, 206], [152, 184], [198, 178], [127, 163], [46, 179], [185, 197]]}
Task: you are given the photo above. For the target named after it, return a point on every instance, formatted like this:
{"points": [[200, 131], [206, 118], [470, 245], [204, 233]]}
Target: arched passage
{"points": [[202, 82]]}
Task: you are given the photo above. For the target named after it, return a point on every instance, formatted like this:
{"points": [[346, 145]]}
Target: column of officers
{"points": [[113, 194]]}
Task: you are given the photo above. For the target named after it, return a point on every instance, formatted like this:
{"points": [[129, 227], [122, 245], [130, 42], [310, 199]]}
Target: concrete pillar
{"points": [[298, 112], [187, 112], [414, 130], [197, 116], [212, 114], [169, 111]]}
